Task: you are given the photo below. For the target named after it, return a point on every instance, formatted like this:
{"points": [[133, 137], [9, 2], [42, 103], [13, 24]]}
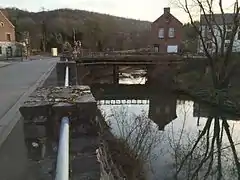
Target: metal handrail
{"points": [[62, 169], [67, 77]]}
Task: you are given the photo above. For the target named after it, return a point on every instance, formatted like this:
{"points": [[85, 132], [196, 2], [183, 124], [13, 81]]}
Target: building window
{"points": [[238, 35], [161, 33], [8, 37], [229, 27], [0, 49], [167, 110], [228, 35], [171, 32], [156, 48], [226, 45], [209, 45], [1, 24]]}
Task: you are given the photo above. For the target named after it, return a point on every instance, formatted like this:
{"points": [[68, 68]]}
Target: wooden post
{"points": [[115, 74], [149, 72]]}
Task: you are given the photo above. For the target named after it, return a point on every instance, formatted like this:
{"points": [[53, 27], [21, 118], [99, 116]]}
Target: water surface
{"points": [[171, 125]]}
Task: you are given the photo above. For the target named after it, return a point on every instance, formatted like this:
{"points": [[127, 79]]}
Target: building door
{"points": [[156, 48], [9, 51], [172, 49]]}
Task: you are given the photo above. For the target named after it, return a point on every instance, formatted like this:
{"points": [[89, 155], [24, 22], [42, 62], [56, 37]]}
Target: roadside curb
{"points": [[12, 116], [5, 65]]}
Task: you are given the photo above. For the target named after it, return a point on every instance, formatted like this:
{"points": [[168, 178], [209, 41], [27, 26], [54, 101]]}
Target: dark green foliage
{"points": [[190, 37]]}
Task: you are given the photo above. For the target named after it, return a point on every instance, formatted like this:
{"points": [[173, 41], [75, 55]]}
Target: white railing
{"points": [[62, 169], [67, 77]]}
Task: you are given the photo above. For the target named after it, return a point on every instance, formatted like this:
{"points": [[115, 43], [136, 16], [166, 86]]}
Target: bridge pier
{"points": [[149, 70], [82, 73], [115, 74]]}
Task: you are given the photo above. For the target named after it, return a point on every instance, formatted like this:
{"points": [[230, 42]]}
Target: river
{"points": [[164, 127]]}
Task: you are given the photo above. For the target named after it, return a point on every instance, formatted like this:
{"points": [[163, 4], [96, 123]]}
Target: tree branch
{"points": [[202, 39], [206, 127], [226, 127], [224, 28]]}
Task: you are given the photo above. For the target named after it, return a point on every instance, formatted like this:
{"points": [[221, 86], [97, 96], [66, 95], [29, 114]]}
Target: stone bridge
{"points": [[159, 68]]}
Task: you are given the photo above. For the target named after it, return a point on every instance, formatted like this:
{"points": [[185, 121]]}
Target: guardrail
{"points": [[62, 169]]}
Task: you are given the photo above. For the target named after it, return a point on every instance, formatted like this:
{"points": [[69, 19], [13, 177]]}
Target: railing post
{"points": [[67, 77], [115, 74]]}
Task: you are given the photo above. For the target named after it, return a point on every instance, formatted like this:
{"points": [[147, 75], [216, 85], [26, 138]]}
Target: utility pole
{"points": [[74, 44], [44, 29], [74, 35]]}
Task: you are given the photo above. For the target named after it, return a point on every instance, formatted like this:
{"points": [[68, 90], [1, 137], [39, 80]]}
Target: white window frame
{"points": [[161, 33], [171, 32]]}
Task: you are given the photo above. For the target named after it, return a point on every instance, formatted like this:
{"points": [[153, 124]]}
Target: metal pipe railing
{"points": [[62, 169], [67, 77]]}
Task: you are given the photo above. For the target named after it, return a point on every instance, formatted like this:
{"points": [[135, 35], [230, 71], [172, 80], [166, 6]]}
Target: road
{"points": [[16, 80]]}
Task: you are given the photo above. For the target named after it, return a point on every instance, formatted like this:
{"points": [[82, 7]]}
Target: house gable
{"points": [[163, 17], [7, 29], [166, 32], [4, 19]]}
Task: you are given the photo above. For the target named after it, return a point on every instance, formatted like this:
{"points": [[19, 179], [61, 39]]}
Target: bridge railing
{"points": [[85, 53], [124, 102], [124, 53], [62, 168]]}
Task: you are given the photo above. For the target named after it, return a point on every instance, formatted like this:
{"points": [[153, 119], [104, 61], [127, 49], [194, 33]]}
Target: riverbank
{"points": [[200, 89], [116, 157]]}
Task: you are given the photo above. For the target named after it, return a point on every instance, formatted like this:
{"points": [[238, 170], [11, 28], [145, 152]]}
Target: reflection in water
{"points": [[214, 152], [193, 143], [162, 109], [203, 110]]}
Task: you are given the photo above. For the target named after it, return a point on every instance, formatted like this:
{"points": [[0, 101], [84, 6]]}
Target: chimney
{"points": [[167, 10]]}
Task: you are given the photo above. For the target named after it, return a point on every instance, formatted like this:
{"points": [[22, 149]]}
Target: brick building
{"points": [[8, 45], [166, 33]]}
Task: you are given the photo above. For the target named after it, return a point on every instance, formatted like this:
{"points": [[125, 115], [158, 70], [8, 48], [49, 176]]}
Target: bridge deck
{"points": [[135, 59]]}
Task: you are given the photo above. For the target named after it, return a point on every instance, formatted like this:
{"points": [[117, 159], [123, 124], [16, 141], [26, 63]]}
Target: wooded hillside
{"points": [[96, 31]]}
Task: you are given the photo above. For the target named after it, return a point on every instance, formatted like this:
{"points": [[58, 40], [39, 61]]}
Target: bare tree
{"points": [[217, 29], [208, 156]]}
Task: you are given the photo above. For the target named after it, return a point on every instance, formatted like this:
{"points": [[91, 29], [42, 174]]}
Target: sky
{"points": [[148, 10]]}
